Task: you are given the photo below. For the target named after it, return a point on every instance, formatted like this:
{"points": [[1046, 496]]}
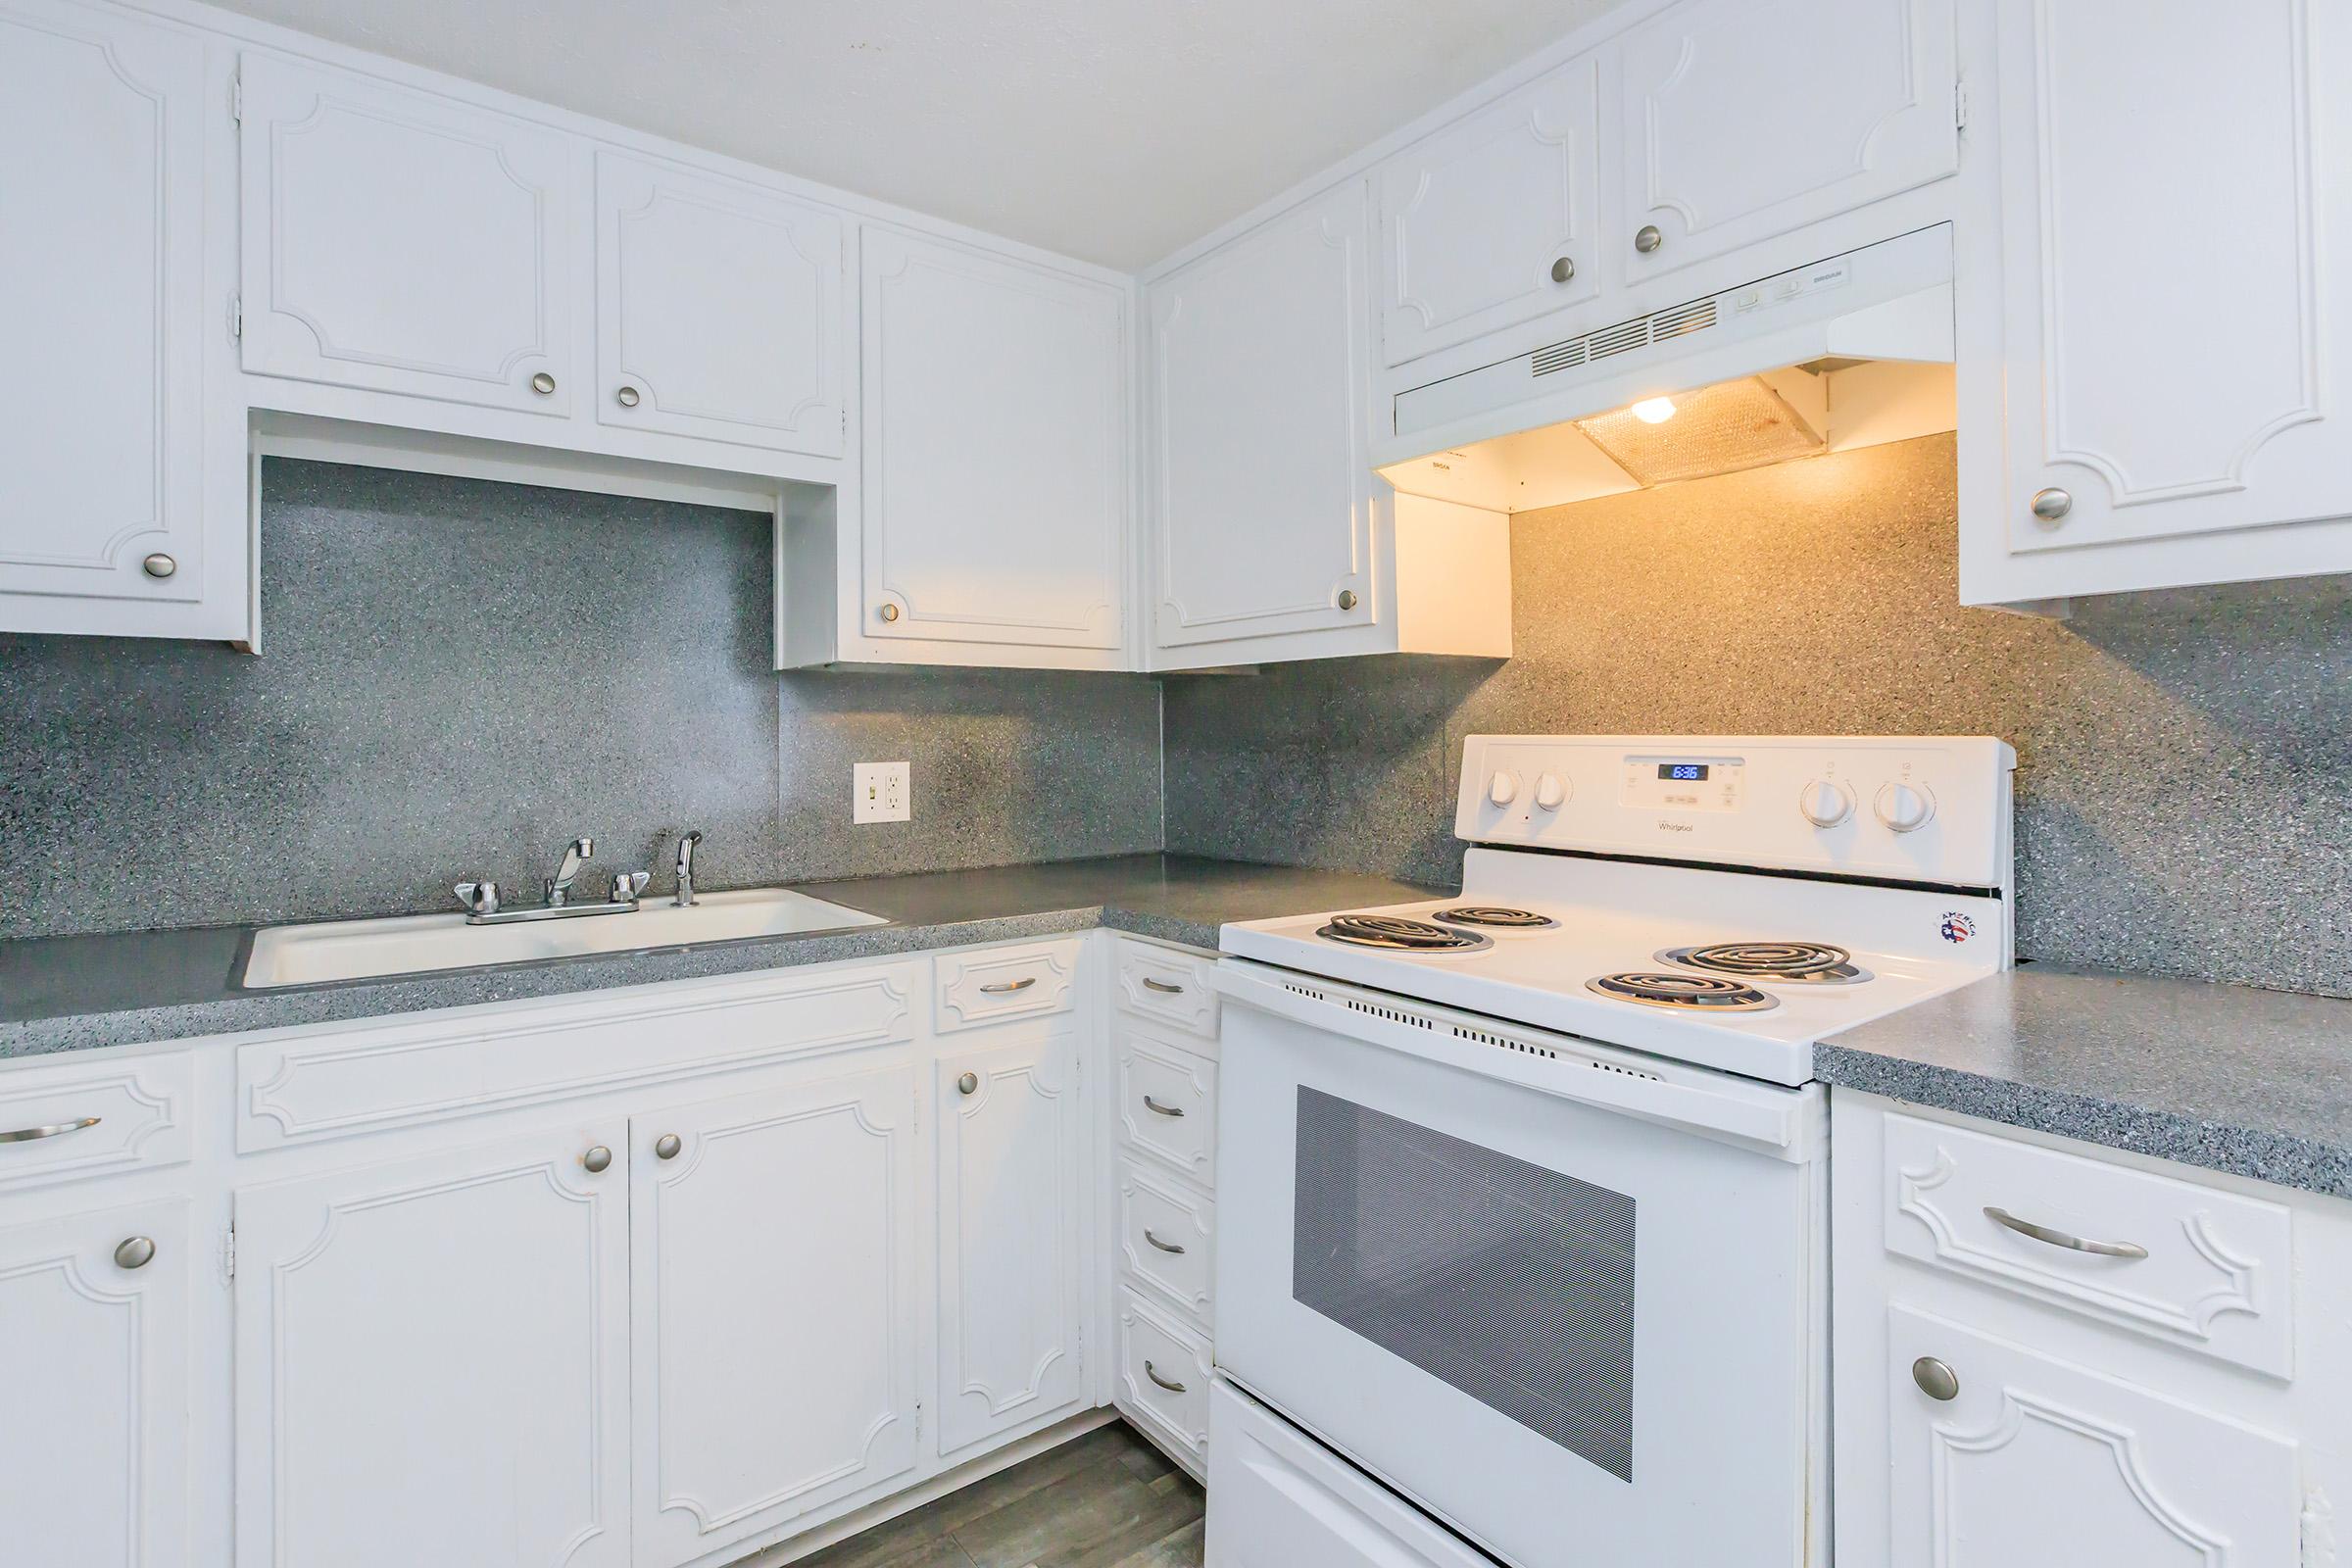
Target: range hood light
{"points": [[1653, 410]]}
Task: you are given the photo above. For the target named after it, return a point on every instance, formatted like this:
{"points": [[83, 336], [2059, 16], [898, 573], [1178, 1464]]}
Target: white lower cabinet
{"points": [[773, 1311], [94, 1362], [2033, 1461], [432, 1359], [1012, 1255]]}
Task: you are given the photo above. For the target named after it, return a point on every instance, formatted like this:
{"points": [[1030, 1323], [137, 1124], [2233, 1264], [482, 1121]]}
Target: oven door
{"points": [[1569, 1299]]}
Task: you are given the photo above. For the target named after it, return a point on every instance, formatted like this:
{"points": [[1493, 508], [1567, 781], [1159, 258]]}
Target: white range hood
{"points": [[1852, 351]]}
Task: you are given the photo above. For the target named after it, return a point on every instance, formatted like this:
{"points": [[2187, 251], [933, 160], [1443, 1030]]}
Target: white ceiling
{"points": [[1116, 130]]}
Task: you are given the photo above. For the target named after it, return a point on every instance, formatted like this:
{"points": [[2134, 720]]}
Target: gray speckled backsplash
{"points": [[456, 676], [2184, 774]]}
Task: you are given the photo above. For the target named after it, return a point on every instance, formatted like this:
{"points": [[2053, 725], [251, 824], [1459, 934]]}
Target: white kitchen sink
{"points": [[417, 944]]}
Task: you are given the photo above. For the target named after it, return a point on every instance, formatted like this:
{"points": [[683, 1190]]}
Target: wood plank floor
{"points": [[1109, 1499]]}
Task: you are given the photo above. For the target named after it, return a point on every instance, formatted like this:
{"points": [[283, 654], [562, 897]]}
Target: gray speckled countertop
{"points": [[74, 993], [2255, 1083]]}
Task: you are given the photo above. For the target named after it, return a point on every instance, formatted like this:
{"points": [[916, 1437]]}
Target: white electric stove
{"points": [[1522, 1191]]}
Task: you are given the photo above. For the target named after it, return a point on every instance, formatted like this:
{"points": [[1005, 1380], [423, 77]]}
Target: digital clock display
{"points": [[1684, 772]]}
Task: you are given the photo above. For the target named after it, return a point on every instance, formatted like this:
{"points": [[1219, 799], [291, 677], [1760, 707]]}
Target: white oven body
{"points": [[1570, 1300]]}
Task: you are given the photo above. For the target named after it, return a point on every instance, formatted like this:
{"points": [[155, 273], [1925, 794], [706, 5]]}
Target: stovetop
{"points": [[1737, 971]]}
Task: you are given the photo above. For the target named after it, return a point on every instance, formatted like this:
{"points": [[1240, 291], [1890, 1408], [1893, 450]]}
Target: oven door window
{"points": [[1510, 1282]]}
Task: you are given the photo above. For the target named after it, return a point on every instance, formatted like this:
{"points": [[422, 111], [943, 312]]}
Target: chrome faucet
{"points": [[575, 856], [686, 843]]}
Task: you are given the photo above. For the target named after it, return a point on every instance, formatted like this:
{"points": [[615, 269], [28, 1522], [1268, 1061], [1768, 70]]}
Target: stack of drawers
{"points": [[1164, 1119]]}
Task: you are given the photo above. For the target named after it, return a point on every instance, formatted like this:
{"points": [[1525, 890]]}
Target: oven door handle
{"points": [[1776, 1121]]}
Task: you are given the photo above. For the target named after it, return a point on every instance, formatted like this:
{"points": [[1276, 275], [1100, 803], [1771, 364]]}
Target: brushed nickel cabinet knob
{"points": [[1936, 1379], [2052, 504], [159, 565], [969, 1083], [1347, 599], [1563, 269], [544, 385], [136, 1252], [626, 397], [888, 613], [596, 1160], [1648, 238], [666, 1146]]}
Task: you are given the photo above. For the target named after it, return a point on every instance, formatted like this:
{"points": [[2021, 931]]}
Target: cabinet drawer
{"points": [[2198, 1267], [93, 1119], [1164, 1375], [1164, 1234], [1168, 985], [994, 984], [1167, 1103]]}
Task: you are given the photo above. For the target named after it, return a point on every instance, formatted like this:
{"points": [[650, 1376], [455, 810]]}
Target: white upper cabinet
{"points": [[1493, 220], [1261, 483], [95, 1362], [774, 1240], [112, 517], [404, 242], [432, 1362], [996, 438], [2172, 304], [1741, 120], [718, 308], [1012, 1145]]}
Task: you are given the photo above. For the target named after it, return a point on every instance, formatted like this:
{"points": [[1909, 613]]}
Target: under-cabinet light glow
{"points": [[1653, 410]]}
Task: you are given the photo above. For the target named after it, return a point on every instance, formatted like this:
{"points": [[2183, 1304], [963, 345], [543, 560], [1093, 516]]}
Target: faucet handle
{"points": [[627, 885], [479, 898]]}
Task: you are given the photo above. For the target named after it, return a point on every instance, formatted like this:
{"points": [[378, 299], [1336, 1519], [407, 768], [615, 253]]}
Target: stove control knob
{"points": [[1552, 792], [1825, 802], [1503, 788], [1905, 808]]}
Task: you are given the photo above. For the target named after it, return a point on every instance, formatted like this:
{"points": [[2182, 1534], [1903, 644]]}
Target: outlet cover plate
{"points": [[882, 793]]}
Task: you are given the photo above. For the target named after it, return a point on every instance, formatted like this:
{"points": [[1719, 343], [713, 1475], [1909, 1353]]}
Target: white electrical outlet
{"points": [[881, 793]]}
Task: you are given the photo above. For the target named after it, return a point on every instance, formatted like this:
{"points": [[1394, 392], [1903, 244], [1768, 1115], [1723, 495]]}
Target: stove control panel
{"points": [[1920, 808]]}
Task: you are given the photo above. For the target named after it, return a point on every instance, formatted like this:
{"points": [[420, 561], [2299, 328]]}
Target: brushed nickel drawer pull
{"points": [[1001, 987], [136, 1251], [2073, 1243], [1154, 1105], [26, 1135], [1163, 987], [1152, 1373], [1166, 1246]]}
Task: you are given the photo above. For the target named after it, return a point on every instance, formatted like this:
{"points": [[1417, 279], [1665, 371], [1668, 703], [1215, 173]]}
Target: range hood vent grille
{"points": [[1675, 321]]}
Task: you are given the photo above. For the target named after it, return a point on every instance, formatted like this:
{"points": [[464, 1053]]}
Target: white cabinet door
{"points": [[94, 1359], [1741, 120], [1012, 1176], [431, 1361], [102, 409], [2037, 1464], [774, 1314], [2174, 298], [403, 242], [1262, 486], [996, 438], [718, 308], [1493, 220]]}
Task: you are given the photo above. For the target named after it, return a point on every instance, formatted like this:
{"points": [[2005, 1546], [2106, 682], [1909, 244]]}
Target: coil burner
{"points": [[1395, 933], [1692, 993], [1499, 916], [1814, 964]]}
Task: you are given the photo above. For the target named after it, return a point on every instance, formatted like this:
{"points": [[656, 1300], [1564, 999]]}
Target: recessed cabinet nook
{"points": [[1302, 436]]}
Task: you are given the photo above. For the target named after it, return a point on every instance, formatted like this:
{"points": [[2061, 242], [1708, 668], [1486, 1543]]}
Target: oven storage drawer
{"points": [[1278, 1497], [1167, 1101], [1168, 985], [1163, 1375], [94, 1118], [992, 985], [1164, 1234], [2195, 1266]]}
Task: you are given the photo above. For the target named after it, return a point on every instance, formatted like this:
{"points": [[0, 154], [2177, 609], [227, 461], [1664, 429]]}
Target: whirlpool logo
{"points": [[1957, 927], [1666, 825]]}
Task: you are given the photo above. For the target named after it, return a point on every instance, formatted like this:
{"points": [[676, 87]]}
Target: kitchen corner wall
{"points": [[459, 676], [2184, 773]]}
